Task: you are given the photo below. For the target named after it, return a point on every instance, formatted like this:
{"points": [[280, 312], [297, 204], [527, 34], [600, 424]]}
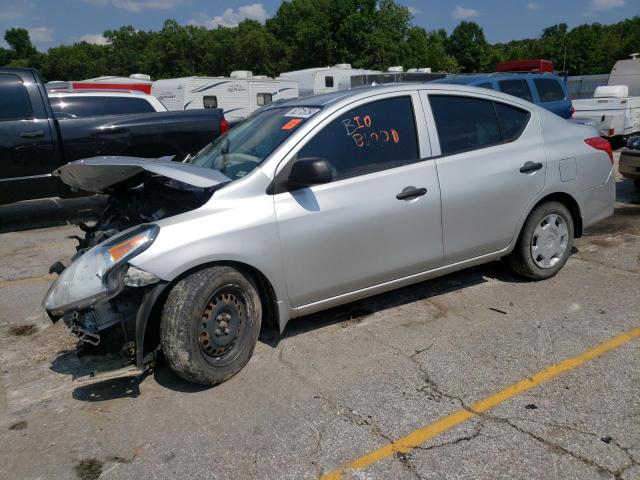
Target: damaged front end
{"points": [[100, 291]]}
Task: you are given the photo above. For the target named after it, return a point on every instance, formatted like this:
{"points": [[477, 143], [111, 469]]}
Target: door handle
{"points": [[33, 134], [408, 193], [529, 167]]}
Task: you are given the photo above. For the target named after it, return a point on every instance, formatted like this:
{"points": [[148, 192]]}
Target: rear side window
{"points": [[371, 137], [328, 82], [485, 85], [517, 88], [14, 99], [467, 123], [75, 107], [512, 121], [464, 123], [549, 89]]}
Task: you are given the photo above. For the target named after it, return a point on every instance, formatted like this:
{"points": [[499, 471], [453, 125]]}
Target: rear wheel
{"points": [[636, 183], [210, 324], [545, 242]]}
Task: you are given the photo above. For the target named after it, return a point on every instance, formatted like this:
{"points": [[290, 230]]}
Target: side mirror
{"points": [[307, 172]]}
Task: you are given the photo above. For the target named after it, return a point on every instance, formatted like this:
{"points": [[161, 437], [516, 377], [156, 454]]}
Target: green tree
{"points": [[19, 41], [469, 47]]}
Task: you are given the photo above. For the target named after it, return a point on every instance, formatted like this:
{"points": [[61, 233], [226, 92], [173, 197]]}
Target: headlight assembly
{"points": [[99, 273]]}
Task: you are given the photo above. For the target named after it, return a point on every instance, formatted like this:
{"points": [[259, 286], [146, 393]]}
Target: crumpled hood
{"points": [[98, 174]]}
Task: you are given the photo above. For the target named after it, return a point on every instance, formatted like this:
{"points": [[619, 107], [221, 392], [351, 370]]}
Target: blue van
{"points": [[544, 89]]}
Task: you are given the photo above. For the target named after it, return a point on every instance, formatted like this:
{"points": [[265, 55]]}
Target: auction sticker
{"points": [[301, 112]]}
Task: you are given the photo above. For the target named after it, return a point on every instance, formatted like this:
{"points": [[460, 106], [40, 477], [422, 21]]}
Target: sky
{"points": [[55, 22]]}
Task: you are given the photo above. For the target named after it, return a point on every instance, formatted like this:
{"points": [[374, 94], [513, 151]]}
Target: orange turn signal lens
{"points": [[121, 249]]}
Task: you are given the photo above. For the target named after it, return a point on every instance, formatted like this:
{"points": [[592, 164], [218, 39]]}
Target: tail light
{"points": [[573, 110], [224, 126], [600, 144]]}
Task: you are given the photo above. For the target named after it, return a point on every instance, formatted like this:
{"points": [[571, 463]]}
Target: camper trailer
{"points": [[314, 81], [238, 95]]}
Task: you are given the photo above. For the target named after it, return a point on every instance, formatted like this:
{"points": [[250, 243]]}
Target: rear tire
{"points": [[545, 242], [210, 324], [636, 183]]}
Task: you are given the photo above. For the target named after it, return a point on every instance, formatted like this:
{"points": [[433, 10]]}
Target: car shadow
{"points": [[355, 312], [49, 212]]}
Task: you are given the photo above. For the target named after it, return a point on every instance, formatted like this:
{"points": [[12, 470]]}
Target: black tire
{"points": [[202, 312], [521, 259], [636, 183]]}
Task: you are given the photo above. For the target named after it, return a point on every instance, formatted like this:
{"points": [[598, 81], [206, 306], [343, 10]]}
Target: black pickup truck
{"points": [[33, 143]]}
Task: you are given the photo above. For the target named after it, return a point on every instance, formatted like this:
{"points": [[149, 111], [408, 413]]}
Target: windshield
{"points": [[246, 145]]}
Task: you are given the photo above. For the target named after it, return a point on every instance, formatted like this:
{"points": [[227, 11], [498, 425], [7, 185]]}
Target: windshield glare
{"points": [[246, 145]]}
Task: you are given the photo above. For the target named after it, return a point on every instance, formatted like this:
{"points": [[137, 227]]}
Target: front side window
{"points": [[368, 138], [264, 99], [328, 82], [469, 123], [517, 88], [246, 145], [95, 106], [549, 90], [210, 101], [14, 99]]}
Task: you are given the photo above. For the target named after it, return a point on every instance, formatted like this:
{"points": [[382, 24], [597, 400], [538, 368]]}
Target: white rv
{"points": [[614, 108], [238, 95], [314, 81]]}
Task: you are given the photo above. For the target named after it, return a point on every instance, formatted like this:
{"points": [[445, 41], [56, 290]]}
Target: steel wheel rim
{"points": [[222, 325], [549, 241]]}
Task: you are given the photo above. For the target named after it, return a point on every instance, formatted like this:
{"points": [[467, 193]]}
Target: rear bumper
{"points": [[597, 203], [629, 166]]}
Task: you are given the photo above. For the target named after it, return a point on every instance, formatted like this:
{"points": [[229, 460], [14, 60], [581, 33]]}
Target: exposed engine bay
{"points": [[142, 199]]}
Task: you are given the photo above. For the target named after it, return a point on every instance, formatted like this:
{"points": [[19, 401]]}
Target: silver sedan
{"points": [[320, 201]]}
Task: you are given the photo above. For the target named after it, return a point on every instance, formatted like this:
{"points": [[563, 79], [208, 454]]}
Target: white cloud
{"points": [[13, 12], [41, 34], [231, 17], [533, 7], [413, 10], [606, 4], [94, 38], [461, 13], [137, 5]]}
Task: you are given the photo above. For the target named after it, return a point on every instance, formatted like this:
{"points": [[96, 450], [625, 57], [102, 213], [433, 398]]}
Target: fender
{"points": [[146, 306]]}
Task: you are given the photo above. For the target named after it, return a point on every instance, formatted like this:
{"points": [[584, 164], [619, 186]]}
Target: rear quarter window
{"points": [[549, 90]]}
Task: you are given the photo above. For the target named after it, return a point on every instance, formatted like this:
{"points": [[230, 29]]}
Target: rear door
{"points": [[366, 227], [27, 154], [491, 165]]}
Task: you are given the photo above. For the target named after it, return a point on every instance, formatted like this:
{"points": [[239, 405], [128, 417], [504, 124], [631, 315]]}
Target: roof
{"points": [[365, 91], [468, 79]]}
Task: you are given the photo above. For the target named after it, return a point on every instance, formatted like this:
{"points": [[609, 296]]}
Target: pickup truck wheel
{"points": [[545, 242], [210, 324], [636, 183]]}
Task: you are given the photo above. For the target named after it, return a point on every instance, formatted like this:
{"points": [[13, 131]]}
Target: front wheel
{"points": [[545, 242], [210, 324]]}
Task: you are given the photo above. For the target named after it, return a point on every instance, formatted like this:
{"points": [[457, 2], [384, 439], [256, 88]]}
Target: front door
{"points": [[379, 219]]}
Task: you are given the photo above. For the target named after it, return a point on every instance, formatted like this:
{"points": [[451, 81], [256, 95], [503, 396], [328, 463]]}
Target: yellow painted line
{"points": [[20, 281], [423, 434]]}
